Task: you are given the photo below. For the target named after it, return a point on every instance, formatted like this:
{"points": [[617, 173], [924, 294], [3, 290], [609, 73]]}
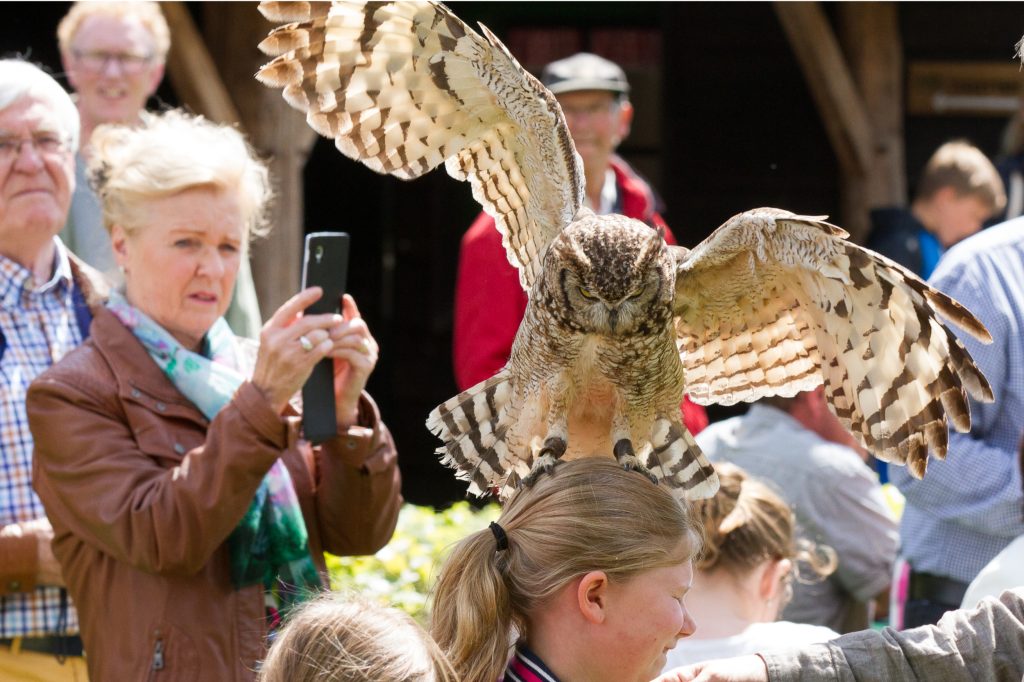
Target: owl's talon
{"points": [[631, 463], [627, 459], [544, 465], [555, 447], [623, 449]]}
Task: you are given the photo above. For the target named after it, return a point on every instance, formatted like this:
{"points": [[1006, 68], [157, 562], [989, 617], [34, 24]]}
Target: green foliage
{"points": [[402, 573]]}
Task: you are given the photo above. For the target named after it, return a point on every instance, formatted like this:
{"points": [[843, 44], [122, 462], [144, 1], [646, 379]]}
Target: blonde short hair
{"points": [[965, 168], [588, 515], [746, 522], [148, 13], [168, 153], [350, 639]]}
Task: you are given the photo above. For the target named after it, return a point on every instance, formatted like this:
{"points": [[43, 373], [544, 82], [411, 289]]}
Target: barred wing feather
{"points": [[404, 86], [774, 303]]}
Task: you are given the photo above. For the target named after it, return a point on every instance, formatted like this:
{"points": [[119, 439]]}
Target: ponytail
{"points": [[587, 515], [472, 617]]}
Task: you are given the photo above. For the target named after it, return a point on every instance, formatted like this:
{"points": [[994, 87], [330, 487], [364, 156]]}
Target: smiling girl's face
{"points": [[649, 617]]}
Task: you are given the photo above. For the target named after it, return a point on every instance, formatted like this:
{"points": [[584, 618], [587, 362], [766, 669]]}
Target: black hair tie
{"points": [[499, 536]]}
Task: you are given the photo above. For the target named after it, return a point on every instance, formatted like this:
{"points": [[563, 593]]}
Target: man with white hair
{"points": [[114, 55], [45, 294]]}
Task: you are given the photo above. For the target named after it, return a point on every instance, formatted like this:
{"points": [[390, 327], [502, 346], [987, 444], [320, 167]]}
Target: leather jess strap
{"points": [[58, 646]]}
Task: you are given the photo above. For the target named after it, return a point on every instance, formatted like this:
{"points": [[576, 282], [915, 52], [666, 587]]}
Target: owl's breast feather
{"points": [[591, 384]]}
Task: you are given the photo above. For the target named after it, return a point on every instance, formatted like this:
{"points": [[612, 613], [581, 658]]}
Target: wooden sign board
{"points": [[964, 88]]}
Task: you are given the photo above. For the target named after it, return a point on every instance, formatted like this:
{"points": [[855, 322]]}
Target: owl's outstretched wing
{"points": [[403, 86], [774, 303]]}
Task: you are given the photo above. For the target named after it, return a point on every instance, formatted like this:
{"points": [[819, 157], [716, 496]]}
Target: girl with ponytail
{"points": [[743, 575], [582, 578]]}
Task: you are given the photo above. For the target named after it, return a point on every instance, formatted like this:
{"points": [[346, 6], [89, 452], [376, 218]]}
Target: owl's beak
{"points": [[613, 318]]}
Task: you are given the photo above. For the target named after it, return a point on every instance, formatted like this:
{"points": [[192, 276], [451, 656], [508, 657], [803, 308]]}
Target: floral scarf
{"points": [[269, 545]]}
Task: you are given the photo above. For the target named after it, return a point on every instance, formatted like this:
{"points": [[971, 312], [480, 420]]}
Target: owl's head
{"points": [[610, 275]]}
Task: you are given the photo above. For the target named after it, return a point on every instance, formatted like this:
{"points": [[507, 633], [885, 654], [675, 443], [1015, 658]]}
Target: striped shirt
{"points": [[525, 666], [970, 506], [39, 326]]}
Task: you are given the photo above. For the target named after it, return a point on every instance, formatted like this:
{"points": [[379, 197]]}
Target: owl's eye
{"points": [[638, 293], [585, 293]]}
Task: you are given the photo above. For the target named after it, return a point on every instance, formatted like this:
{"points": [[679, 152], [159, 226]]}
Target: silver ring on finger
{"points": [[306, 344]]}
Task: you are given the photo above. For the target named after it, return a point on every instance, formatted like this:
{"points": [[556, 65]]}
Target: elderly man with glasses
{"points": [[114, 55], [45, 294]]}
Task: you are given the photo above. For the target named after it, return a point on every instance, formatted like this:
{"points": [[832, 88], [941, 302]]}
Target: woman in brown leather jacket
{"points": [[188, 512]]}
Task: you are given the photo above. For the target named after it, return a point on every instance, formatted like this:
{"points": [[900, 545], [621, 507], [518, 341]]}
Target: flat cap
{"points": [[584, 71]]}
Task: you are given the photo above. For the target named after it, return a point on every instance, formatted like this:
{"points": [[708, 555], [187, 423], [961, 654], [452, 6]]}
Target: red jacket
{"points": [[490, 302]]}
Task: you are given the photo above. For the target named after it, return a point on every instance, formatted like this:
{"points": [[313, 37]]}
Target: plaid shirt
{"points": [[970, 506], [39, 326]]}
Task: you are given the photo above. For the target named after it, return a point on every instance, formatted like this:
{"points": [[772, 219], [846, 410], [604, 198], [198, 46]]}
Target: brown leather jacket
{"points": [[142, 490]]}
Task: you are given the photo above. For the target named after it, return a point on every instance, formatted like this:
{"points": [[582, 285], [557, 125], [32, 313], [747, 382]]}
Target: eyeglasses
{"points": [[44, 144], [590, 109], [98, 60]]}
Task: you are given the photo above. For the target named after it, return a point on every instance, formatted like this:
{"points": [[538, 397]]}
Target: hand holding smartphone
{"points": [[324, 265]]}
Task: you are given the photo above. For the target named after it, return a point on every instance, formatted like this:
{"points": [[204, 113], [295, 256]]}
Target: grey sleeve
{"points": [[84, 233], [855, 519], [243, 315], [986, 643]]}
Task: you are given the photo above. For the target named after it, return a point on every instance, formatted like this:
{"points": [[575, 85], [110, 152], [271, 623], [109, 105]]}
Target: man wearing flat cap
{"points": [[489, 301]]}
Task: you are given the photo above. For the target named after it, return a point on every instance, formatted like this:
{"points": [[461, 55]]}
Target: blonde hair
{"points": [[337, 638], [965, 168], [20, 79], [588, 515], [747, 523], [148, 14], [168, 153]]}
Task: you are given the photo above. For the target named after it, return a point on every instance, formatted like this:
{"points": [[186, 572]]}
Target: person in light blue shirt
{"points": [[969, 507]]}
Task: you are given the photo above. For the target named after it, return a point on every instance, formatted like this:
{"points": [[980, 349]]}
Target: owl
{"points": [[619, 325]]}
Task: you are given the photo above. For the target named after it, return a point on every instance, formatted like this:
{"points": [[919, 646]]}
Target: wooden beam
{"points": [[964, 88], [870, 36], [192, 70], [277, 131], [832, 87]]}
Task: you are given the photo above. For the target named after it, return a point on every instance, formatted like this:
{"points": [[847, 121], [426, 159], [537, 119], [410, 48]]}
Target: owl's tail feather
{"points": [[678, 463], [473, 426]]}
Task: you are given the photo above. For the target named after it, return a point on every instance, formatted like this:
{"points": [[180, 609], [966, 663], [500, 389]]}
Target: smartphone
{"points": [[324, 265]]}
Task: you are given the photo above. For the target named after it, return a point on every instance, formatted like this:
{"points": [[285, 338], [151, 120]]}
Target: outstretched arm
{"points": [[986, 643]]}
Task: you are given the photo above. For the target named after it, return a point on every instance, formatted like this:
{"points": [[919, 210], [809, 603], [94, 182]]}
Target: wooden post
{"points": [[233, 30], [870, 36], [192, 71], [843, 111]]}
